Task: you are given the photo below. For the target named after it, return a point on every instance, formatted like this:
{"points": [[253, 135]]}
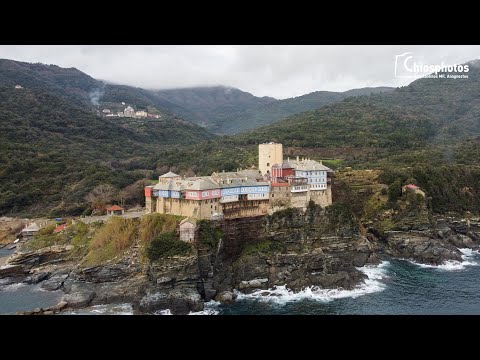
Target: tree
{"points": [[102, 195], [134, 194]]}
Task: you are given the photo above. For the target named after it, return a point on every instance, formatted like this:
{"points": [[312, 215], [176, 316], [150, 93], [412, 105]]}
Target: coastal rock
{"points": [[124, 291], [360, 259], [183, 301], [37, 277], [61, 305], [179, 301], [421, 248], [8, 281], [461, 241], [164, 280], [101, 274], [79, 297], [225, 297], [45, 255], [54, 283], [153, 301], [12, 271]]}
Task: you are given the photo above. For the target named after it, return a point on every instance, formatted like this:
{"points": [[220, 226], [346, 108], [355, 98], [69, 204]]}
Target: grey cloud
{"points": [[264, 70]]}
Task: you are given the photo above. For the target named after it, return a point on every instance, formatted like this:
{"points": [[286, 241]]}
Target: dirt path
{"points": [[127, 215]]}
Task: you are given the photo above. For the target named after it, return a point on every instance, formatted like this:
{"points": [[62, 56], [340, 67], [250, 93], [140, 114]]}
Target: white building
{"points": [[106, 111], [128, 112], [315, 172], [187, 229], [30, 231], [141, 114], [18, 87]]}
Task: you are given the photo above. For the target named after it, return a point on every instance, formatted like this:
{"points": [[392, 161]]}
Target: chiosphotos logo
{"points": [[406, 66]]}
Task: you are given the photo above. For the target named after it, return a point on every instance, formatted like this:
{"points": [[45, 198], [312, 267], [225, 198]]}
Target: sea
{"points": [[394, 287]]}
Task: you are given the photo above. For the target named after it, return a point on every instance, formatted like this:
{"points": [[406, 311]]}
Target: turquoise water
{"points": [[20, 297], [394, 287]]}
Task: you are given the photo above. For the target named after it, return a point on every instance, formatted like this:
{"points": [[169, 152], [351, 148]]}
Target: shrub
{"points": [[153, 225], [165, 245], [209, 235], [111, 240]]}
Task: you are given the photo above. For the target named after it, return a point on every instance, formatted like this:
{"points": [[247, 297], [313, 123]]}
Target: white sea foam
{"points": [[164, 312], [468, 257], [209, 308], [282, 295], [110, 309], [13, 287]]}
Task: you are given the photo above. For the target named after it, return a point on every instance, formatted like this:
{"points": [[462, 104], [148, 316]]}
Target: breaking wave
{"points": [[12, 287], [209, 308], [110, 309], [163, 312], [282, 295], [468, 256]]}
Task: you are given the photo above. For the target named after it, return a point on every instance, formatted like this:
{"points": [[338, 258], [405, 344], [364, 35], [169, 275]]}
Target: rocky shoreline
{"points": [[317, 248]]}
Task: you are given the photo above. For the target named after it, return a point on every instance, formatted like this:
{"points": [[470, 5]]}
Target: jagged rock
{"points": [[182, 301], [8, 281], [360, 259], [461, 241], [225, 297], [30, 259], [421, 248], [117, 292], [152, 302], [36, 310], [36, 278], [12, 271], [107, 273], [79, 298], [54, 283], [48, 312], [61, 305], [179, 301], [164, 280]]}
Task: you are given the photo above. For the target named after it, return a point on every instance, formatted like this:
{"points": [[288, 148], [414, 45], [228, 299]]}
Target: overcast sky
{"points": [[278, 71]]}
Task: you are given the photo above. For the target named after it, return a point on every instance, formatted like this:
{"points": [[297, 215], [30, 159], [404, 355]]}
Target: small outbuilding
{"points": [[59, 228], [412, 188], [187, 229], [115, 210], [30, 231]]}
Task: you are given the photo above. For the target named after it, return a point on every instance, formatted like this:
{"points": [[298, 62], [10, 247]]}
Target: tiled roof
{"points": [[307, 165], [114, 208], [189, 220], [59, 228], [169, 175]]}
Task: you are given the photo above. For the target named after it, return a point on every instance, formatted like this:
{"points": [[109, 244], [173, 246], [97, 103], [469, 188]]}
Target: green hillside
{"points": [[53, 152]]}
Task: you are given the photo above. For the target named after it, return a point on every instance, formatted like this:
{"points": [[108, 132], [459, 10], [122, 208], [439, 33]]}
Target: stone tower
{"points": [[268, 155]]}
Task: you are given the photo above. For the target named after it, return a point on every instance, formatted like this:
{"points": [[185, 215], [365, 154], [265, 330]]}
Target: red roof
{"points": [[411, 186], [114, 208], [59, 228]]}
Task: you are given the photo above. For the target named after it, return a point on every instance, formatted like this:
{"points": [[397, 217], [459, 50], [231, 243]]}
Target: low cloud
{"points": [[278, 71]]}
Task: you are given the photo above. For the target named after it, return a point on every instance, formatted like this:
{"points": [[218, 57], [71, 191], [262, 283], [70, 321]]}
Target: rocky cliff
{"points": [[319, 247]]}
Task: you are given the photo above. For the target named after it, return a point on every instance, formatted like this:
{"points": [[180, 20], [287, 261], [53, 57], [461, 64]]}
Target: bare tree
{"points": [[189, 173], [134, 194], [102, 195]]}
